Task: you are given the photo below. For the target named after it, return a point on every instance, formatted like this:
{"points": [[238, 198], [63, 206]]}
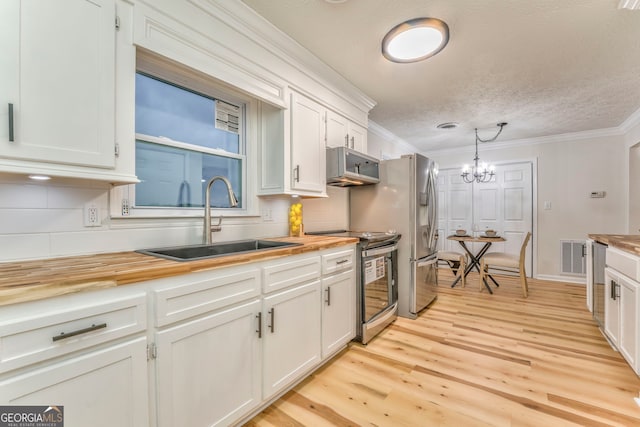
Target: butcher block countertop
{"points": [[33, 280], [626, 242]]}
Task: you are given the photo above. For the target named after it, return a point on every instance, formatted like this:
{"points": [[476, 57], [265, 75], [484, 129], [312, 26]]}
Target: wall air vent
{"points": [[572, 257]]}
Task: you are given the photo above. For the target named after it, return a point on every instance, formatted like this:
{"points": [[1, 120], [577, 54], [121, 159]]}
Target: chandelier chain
{"points": [[479, 173]]}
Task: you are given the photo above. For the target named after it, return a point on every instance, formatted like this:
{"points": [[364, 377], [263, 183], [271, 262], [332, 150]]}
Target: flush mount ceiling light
{"points": [[415, 40]]}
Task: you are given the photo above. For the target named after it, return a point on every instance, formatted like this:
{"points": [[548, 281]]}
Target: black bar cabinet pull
{"points": [[10, 122], [63, 336], [259, 331], [272, 326]]}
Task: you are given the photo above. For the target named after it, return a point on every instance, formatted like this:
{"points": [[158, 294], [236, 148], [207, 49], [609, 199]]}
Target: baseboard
{"points": [[568, 279]]}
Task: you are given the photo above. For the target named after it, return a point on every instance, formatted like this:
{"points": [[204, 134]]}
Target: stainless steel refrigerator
{"points": [[405, 200]]}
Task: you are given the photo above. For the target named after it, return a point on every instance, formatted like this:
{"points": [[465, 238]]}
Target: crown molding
{"points": [[389, 136], [632, 121], [264, 33], [564, 137]]}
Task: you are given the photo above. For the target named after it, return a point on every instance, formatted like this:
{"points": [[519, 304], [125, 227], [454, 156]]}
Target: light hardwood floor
{"points": [[474, 359]]}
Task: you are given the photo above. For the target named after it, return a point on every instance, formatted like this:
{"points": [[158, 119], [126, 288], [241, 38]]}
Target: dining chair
{"points": [[456, 261], [506, 262]]}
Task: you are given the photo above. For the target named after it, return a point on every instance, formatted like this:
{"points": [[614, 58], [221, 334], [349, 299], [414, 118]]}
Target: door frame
{"points": [[534, 204]]}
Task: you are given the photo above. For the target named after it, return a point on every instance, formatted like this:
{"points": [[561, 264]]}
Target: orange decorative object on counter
{"points": [[295, 220]]}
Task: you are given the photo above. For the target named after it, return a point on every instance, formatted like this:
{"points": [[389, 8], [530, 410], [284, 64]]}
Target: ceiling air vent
{"points": [[448, 125]]}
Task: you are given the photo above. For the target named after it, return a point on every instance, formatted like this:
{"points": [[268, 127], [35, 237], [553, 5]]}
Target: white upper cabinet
{"points": [[337, 130], [343, 132], [308, 156], [58, 78]]}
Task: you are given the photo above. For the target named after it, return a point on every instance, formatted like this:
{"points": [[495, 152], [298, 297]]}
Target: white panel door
{"points": [[454, 208], [505, 204]]}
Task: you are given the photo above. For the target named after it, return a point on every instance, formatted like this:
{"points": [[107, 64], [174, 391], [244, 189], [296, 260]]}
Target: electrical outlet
{"points": [[267, 215], [125, 207], [91, 215]]}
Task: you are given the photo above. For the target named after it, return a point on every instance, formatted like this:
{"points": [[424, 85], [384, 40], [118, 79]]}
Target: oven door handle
{"points": [[425, 263], [379, 251]]}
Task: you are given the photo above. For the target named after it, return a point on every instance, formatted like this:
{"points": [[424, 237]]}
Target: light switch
{"points": [[547, 205]]}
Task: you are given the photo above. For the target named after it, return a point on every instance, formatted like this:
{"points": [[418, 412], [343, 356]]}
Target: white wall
{"points": [[568, 170], [382, 144]]}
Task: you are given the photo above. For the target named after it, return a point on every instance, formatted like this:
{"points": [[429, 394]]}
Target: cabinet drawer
{"points": [[624, 262], [296, 270], [68, 324], [203, 292], [337, 261]]}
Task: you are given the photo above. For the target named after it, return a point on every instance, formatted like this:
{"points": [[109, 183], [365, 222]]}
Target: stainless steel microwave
{"points": [[347, 167]]}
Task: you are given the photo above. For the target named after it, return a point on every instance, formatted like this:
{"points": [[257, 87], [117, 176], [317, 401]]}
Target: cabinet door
{"points": [[307, 145], [106, 387], [337, 130], [357, 137], [338, 311], [291, 335], [611, 307], [58, 72], [627, 339], [208, 370]]}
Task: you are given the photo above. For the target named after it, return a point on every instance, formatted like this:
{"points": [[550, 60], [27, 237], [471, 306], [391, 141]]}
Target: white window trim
{"points": [[164, 69]]}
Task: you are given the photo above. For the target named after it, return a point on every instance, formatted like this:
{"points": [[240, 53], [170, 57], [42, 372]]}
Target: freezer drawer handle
{"points": [[91, 328], [425, 263]]}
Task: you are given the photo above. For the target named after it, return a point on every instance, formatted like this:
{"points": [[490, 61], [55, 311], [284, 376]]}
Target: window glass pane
{"points": [[164, 110], [175, 177]]}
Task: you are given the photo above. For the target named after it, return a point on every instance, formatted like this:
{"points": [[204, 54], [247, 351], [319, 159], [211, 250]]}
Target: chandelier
{"points": [[480, 172]]}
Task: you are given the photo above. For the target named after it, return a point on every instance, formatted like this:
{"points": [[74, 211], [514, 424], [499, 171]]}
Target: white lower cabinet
{"points": [[85, 352], [102, 388], [291, 335], [621, 314], [220, 345], [208, 370], [338, 311]]}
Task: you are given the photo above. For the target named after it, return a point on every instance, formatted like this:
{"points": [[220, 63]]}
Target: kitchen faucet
{"points": [[233, 202]]}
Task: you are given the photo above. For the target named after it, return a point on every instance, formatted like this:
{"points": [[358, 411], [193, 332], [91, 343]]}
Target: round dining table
{"points": [[475, 258]]}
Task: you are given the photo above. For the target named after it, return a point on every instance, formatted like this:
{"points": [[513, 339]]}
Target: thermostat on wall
{"points": [[597, 194]]}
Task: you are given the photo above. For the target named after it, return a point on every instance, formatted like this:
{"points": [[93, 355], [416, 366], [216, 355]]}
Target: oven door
{"points": [[379, 290]]}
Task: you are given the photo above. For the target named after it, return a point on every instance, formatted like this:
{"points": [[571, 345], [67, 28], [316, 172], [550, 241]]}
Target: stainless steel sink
{"points": [[190, 253]]}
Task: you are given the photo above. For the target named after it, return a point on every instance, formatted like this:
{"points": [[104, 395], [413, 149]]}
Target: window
{"points": [[184, 138]]}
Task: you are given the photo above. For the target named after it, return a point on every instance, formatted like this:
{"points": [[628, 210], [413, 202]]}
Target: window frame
{"points": [[181, 76]]}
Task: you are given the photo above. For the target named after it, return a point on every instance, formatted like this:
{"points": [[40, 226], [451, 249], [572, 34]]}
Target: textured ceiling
{"points": [[546, 67]]}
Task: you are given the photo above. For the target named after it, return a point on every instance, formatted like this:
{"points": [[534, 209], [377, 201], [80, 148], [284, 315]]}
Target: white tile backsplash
{"points": [[47, 220], [15, 195], [24, 246]]}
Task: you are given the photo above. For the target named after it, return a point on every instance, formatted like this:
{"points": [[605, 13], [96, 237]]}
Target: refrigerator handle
{"points": [[433, 209]]}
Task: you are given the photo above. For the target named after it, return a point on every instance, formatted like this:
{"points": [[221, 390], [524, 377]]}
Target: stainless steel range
{"points": [[377, 279]]}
